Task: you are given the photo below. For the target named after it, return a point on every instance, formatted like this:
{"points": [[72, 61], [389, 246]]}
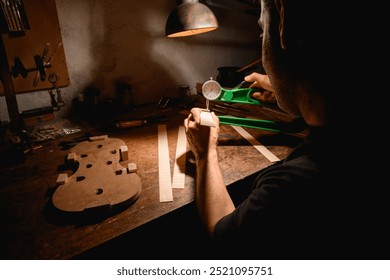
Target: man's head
{"points": [[305, 52]]}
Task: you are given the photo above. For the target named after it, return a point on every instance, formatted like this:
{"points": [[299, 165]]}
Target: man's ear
{"points": [[280, 8]]}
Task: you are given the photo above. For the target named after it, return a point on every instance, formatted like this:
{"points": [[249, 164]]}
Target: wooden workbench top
{"points": [[32, 229]]}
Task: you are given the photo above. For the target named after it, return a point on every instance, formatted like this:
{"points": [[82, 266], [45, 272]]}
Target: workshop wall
{"points": [[110, 41]]}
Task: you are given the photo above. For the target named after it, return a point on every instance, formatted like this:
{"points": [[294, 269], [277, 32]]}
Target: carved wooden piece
{"points": [[100, 179]]}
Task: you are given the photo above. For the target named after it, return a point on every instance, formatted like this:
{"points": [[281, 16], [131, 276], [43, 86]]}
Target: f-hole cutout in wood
{"points": [[100, 181]]}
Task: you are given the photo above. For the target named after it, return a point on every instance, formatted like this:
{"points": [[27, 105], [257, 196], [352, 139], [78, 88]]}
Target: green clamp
{"points": [[239, 95], [293, 126]]}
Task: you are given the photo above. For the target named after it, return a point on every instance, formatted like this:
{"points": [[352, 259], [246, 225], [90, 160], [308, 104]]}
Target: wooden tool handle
{"points": [[249, 65], [127, 124]]}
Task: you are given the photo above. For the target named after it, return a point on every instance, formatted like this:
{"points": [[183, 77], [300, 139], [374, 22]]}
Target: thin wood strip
{"points": [[164, 169]]}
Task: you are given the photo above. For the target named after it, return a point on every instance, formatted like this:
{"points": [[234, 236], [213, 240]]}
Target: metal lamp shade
{"points": [[190, 18]]}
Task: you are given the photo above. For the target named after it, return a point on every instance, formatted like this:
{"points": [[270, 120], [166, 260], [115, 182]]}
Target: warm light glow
{"points": [[190, 18], [192, 32]]}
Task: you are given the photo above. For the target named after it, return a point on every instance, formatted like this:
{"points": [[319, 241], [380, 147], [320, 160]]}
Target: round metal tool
{"points": [[211, 89]]}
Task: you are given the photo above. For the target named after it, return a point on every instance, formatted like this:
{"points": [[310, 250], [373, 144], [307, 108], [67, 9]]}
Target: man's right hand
{"points": [[261, 82]]}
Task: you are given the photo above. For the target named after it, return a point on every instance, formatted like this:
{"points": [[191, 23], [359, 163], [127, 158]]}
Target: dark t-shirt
{"points": [[320, 202]]}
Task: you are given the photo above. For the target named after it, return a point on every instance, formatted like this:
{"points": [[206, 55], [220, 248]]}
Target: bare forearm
{"points": [[212, 199]]}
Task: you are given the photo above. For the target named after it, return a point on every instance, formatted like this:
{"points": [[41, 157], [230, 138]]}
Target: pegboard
{"points": [[24, 49]]}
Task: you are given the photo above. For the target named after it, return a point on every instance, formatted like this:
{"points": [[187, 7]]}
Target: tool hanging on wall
{"points": [[56, 104], [53, 100], [40, 63], [13, 18], [20, 69], [46, 64]]}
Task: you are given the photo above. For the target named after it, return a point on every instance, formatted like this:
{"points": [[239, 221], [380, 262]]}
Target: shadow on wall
{"points": [[124, 49], [107, 41]]}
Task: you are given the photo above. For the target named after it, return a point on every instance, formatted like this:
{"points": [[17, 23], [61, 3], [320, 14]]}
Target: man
{"points": [[324, 200]]}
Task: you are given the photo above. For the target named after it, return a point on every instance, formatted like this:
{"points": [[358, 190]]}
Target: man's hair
{"points": [[324, 46]]}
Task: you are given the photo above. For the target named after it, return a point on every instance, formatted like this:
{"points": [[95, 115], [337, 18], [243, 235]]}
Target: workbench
{"points": [[30, 229]]}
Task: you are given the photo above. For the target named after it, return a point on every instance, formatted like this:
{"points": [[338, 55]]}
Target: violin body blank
{"points": [[100, 180]]}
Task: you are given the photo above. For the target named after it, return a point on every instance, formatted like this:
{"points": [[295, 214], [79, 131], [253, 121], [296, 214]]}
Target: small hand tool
{"points": [[54, 78], [139, 122], [212, 90]]}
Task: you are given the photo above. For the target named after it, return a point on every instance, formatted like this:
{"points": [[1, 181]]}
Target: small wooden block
{"points": [[124, 153], [71, 158], [206, 119], [131, 168], [62, 179]]}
